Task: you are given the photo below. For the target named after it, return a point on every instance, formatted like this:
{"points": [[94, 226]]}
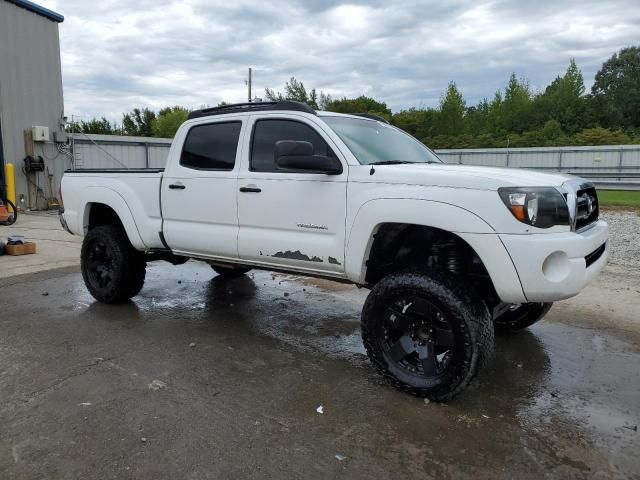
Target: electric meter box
{"points": [[40, 134]]}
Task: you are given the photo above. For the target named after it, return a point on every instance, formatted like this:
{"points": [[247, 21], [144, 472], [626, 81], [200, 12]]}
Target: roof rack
{"points": [[253, 107], [371, 116]]}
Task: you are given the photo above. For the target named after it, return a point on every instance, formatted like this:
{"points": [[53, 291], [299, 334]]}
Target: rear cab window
{"points": [[212, 146]]}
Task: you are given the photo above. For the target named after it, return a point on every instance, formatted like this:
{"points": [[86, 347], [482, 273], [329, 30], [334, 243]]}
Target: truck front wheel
{"points": [[428, 334], [520, 316], [112, 269]]}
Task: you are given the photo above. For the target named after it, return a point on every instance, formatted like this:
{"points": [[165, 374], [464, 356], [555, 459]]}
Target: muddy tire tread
{"points": [[130, 263], [478, 321]]}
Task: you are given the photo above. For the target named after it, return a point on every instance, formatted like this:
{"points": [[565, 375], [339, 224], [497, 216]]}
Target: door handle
{"points": [[177, 186], [251, 189]]}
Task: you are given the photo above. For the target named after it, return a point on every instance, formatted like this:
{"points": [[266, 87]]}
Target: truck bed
{"points": [[134, 195]]}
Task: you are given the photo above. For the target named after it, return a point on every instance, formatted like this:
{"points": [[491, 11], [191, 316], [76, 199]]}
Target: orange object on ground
{"points": [[4, 213]]}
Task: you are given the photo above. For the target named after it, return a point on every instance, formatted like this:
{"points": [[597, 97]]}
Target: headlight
{"points": [[541, 207]]}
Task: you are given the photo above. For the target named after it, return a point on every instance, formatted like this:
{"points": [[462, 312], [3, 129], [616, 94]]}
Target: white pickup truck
{"points": [[450, 252]]}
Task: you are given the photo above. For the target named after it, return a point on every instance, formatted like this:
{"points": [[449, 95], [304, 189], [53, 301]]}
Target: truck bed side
{"points": [[132, 194]]}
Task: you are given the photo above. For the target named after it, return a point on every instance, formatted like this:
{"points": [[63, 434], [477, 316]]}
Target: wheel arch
{"points": [[382, 216], [107, 207]]}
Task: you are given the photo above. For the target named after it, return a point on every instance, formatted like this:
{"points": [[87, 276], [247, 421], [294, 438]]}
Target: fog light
{"points": [[556, 267]]}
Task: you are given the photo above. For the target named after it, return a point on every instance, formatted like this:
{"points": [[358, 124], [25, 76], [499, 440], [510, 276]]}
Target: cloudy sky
{"points": [[118, 54]]}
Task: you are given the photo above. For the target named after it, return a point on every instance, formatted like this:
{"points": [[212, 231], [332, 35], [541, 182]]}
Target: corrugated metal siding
{"points": [[612, 159], [30, 87], [611, 166], [107, 151]]}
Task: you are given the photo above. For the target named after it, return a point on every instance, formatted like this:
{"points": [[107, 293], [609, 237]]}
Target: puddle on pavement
{"points": [[562, 385]]}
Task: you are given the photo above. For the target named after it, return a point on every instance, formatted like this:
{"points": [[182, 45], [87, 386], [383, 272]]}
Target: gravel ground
{"points": [[624, 238]]}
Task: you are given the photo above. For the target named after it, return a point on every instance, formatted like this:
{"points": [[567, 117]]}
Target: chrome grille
{"points": [[582, 200], [587, 208]]}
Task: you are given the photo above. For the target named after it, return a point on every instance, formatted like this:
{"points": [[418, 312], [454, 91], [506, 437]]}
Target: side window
{"points": [[267, 132], [211, 147]]}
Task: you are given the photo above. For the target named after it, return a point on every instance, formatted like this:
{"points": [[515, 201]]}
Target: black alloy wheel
{"points": [[99, 265], [427, 333], [112, 269], [418, 337]]}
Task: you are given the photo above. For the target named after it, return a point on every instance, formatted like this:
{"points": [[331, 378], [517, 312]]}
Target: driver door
{"points": [[286, 218]]}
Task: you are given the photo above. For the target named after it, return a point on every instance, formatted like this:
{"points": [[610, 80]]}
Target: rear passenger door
{"points": [[291, 219], [199, 190]]}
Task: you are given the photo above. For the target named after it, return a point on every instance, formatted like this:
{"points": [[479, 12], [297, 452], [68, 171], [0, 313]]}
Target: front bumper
{"points": [[557, 266]]}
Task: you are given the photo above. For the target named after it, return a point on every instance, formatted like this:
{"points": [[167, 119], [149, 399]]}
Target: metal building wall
{"points": [[30, 88]]}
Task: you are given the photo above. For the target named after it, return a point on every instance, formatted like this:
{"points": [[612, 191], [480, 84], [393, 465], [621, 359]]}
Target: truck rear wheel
{"points": [[520, 316], [428, 334], [112, 269], [230, 272]]}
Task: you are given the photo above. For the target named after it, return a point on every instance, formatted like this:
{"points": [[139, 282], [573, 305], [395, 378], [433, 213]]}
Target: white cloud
{"points": [[120, 54]]}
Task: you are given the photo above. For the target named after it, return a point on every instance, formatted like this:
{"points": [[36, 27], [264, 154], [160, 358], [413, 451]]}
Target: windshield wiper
{"points": [[398, 162], [390, 162], [393, 162]]}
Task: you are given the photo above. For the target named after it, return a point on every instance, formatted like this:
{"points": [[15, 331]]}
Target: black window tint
{"points": [[267, 132], [211, 147]]}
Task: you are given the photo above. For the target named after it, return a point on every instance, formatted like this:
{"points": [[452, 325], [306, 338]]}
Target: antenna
{"points": [[249, 85]]}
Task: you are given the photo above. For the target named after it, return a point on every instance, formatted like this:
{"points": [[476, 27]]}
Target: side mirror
{"points": [[297, 156], [289, 148]]}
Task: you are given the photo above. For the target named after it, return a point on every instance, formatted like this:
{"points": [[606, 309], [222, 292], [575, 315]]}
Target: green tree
{"points": [[494, 119], [138, 123], [452, 109], [168, 121], [552, 131], [617, 89], [601, 136], [100, 126], [514, 110], [295, 90], [361, 104], [563, 100], [477, 118], [421, 123]]}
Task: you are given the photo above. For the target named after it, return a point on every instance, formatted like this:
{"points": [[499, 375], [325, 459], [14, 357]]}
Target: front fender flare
{"points": [[451, 218]]}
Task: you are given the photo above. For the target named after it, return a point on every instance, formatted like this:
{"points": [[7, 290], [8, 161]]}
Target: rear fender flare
{"points": [[112, 199]]}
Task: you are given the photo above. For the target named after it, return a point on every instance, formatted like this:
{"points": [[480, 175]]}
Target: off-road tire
{"points": [[228, 272], [524, 316], [127, 266], [470, 323]]}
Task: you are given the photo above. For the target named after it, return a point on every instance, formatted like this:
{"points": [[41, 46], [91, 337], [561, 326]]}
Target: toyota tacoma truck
{"points": [[450, 253]]}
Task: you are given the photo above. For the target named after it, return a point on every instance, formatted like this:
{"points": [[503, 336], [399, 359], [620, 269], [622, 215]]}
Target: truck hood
{"points": [[462, 176]]}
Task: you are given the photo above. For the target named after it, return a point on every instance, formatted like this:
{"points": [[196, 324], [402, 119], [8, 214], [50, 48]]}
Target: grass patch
{"points": [[619, 198]]}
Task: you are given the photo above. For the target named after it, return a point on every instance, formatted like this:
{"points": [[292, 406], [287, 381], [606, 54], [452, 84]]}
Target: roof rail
{"points": [[371, 116], [253, 107]]}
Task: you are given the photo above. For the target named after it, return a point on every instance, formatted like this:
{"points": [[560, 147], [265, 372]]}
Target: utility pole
{"points": [[249, 84]]}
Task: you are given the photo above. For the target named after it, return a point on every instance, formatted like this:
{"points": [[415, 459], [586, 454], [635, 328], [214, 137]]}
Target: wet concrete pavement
{"points": [[201, 378]]}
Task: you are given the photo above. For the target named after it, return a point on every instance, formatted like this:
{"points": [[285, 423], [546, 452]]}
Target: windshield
{"points": [[371, 141]]}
